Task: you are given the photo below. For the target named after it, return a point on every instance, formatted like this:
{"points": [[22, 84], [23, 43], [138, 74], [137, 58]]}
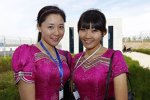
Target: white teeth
{"points": [[55, 39], [87, 42]]}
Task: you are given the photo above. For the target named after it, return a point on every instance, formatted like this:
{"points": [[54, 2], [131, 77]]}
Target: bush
{"points": [[8, 90], [5, 64], [145, 51], [139, 78]]}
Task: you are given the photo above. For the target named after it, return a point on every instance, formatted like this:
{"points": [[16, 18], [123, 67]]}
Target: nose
{"points": [[56, 31], [88, 33]]}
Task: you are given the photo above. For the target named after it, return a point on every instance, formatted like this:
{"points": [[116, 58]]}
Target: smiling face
{"points": [[90, 37], [91, 28], [52, 29]]}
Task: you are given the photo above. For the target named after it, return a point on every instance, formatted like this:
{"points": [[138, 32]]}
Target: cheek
{"points": [[45, 35], [98, 36], [62, 34], [81, 35], [45, 32]]}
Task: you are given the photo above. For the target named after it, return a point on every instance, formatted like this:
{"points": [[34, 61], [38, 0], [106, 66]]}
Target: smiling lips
{"points": [[55, 39], [87, 41]]}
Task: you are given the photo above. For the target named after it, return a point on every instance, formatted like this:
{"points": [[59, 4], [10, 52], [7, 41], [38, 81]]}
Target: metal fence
{"points": [[6, 53], [9, 44]]}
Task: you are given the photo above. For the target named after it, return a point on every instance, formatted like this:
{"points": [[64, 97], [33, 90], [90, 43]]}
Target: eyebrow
{"points": [[54, 24], [61, 24]]}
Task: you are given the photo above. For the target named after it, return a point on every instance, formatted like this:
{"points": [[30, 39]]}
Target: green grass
{"points": [[145, 51], [140, 79]]}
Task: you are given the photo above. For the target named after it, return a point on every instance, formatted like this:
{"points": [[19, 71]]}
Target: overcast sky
{"points": [[18, 17]]}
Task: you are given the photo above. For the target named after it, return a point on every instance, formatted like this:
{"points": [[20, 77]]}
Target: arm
{"points": [[26, 90], [120, 87], [23, 67]]}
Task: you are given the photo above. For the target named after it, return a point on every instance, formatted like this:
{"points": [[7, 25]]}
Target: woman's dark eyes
{"points": [[95, 30], [61, 27], [51, 27]]}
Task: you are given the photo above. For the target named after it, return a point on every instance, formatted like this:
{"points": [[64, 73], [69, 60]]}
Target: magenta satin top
{"points": [[90, 77], [33, 66]]}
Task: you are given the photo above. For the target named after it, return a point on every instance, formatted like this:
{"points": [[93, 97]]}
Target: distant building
{"points": [[113, 38]]}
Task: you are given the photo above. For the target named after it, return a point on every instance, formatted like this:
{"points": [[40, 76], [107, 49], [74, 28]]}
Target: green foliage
{"points": [[146, 51], [8, 90], [5, 64], [139, 79]]}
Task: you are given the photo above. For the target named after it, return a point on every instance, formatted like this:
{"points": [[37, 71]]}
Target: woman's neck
{"points": [[88, 52], [49, 47]]}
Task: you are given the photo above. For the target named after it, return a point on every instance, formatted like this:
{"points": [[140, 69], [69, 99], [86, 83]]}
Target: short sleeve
{"points": [[23, 65], [119, 65]]}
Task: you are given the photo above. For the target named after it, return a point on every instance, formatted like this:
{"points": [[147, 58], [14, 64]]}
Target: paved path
{"points": [[143, 59]]}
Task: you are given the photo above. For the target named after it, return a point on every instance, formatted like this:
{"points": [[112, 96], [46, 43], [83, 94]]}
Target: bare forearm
{"points": [[26, 90], [120, 86]]}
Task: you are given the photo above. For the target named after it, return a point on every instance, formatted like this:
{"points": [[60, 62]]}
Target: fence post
{"points": [[4, 46]]}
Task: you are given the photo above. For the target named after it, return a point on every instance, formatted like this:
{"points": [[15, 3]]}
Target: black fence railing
{"points": [[6, 53]]}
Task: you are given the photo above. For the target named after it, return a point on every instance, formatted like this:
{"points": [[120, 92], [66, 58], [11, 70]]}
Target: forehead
{"points": [[88, 25], [54, 19]]}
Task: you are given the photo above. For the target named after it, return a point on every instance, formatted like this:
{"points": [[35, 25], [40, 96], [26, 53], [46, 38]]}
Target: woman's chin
{"points": [[88, 47]]}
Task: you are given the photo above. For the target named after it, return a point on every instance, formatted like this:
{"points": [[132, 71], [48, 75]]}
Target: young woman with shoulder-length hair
{"points": [[90, 68]]}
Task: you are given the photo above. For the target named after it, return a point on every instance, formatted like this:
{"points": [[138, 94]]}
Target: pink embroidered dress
{"points": [[33, 66], [90, 77]]}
